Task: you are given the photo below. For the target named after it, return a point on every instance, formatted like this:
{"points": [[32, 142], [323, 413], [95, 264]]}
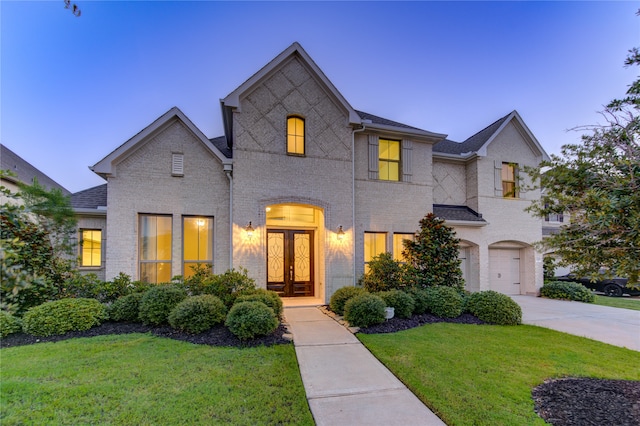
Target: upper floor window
{"points": [[295, 136], [509, 178], [91, 247], [389, 160]]}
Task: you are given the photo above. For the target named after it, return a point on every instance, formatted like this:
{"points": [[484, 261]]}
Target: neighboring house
{"points": [[303, 190]]}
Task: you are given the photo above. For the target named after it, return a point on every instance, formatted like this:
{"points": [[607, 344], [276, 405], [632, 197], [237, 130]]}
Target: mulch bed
{"points": [[562, 402]]}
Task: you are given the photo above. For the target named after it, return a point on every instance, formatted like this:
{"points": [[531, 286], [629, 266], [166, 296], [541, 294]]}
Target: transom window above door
{"points": [[295, 135]]}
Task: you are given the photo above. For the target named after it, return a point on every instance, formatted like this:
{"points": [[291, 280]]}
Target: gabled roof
{"points": [[373, 121], [25, 172], [92, 198], [105, 166], [478, 143]]}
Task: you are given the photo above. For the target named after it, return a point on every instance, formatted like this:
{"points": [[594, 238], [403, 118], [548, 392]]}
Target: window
{"points": [[375, 243], [389, 160], [509, 176], [554, 217], [295, 136], [197, 243], [91, 247], [398, 246], [155, 248]]}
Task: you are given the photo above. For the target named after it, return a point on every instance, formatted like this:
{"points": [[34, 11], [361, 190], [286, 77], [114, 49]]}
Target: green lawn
{"points": [[144, 380], [618, 302], [483, 375]]}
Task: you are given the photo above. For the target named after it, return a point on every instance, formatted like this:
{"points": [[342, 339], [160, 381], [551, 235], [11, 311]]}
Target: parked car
{"points": [[609, 286]]}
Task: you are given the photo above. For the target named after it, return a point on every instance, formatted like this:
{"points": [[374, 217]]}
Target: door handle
{"points": [[291, 273]]}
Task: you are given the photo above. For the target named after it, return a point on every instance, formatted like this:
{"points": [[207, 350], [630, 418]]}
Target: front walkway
{"points": [[345, 384], [616, 326]]}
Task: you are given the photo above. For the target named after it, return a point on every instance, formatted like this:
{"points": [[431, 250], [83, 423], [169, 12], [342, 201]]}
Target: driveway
{"points": [[616, 326]]}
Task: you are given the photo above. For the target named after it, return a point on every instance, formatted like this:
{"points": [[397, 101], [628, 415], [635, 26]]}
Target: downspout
{"points": [[228, 170], [353, 196]]}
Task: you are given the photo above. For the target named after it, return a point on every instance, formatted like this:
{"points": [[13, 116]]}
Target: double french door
{"points": [[290, 262]]}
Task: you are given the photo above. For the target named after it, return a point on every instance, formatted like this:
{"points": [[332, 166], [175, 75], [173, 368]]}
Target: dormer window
{"points": [[295, 135]]}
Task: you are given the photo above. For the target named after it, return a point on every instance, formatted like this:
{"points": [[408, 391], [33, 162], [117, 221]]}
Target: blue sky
{"points": [[74, 89]]}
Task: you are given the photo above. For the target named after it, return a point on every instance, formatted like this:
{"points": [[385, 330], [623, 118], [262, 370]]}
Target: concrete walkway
{"points": [[619, 327], [345, 384]]}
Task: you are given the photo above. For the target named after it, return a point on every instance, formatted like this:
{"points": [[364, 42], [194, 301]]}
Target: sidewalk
{"points": [[345, 384]]}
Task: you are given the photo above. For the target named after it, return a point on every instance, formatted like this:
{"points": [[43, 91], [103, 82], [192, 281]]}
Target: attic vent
{"points": [[177, 164]]}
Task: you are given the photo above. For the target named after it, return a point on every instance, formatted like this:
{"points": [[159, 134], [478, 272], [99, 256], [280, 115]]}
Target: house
{"points": [[303, 190]]}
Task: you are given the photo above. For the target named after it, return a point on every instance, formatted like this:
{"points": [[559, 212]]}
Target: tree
{"points": [[433, 257], [597, 182]]}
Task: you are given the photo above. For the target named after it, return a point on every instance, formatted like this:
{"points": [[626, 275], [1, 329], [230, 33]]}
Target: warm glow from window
{"points": [[389, 160], [91, 251], [197, 243], [155, 248], [375, 243], [295, 136], [398, 245], [509, 174]]}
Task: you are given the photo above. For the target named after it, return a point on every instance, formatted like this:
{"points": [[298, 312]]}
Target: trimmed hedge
{"points": [[341, 296], [196, 314], [444, 302], [247, 320], [420, 299], [567, 290], [268, 297], [495, 308], [62, 316], [9, 324], [402, 302], [364, 310], [157, 303], [125, 308]]}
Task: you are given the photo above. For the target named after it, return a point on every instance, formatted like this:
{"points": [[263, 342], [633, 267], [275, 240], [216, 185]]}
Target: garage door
{"points": [[504, 270]]}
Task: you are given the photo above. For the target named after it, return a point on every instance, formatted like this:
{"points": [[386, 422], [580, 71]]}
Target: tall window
{"points": [[197, 243], [375, 243], [398, 245], [509, 177], [295, 136], [91, 247], [389, 159], [155, 248]]}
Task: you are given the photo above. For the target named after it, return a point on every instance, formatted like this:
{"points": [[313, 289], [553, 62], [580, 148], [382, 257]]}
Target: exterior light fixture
{"points": [[340, 233], [249, 229]]}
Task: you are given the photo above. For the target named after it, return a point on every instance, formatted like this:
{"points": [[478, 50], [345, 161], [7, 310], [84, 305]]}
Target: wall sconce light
{"points": [[340, 234], [249, 229]]}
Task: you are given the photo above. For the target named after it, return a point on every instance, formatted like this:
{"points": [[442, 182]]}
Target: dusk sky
{"points": [[74, 89]]}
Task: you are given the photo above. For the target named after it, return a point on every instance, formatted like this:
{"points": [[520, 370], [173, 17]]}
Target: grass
{"points": [[484, 375], [618, 302], [145, 380]]}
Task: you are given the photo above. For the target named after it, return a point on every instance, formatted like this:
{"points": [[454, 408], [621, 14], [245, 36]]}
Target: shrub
{"points": [[157, 302], [341, 296], [385, 273], [420, 299], [196, 314], [62, 316], [402, 303], [268, 297], [89, 286], [9, 324], [495, 308], [229, 286], [251, 319], [567, 290], [364, 310], [125, 308], [444, 302]]}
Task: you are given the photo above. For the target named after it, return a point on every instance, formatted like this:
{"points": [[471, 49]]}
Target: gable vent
{"points": [[177, 164]]}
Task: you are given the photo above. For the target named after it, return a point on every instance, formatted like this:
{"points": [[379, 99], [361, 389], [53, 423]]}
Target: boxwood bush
{"points": [[62, 316], [444, 302], [125, 308], [157, 302], [495, 308], [9, 324], [251, 319], [420, 299], [364, 310], [567, 290], [341, 296], [196, 314], [402, 302]]}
